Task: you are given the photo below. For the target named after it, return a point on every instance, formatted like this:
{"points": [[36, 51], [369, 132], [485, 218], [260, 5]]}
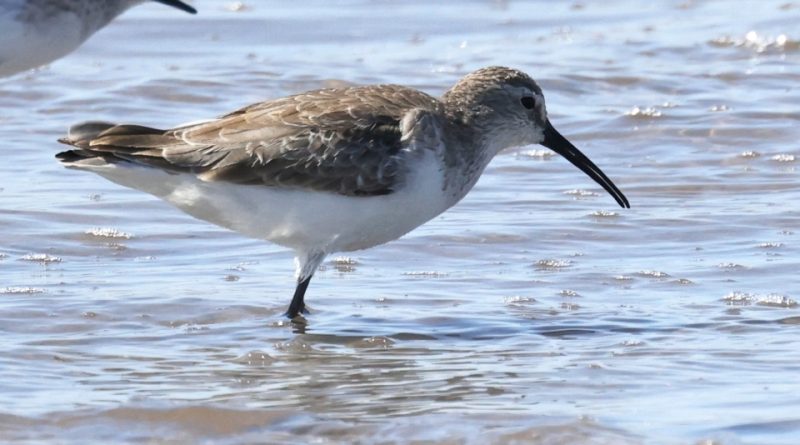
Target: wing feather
{"points": [[349, 141]]}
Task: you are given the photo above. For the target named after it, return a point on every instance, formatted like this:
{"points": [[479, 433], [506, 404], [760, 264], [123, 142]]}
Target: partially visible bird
{"points": [[37, 32], [331, 170]]}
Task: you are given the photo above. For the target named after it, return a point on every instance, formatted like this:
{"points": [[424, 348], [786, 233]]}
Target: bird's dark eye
{"points": [[528, 102]]}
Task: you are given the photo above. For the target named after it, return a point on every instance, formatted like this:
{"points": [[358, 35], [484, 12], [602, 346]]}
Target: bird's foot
{"points": [[292, 313]]}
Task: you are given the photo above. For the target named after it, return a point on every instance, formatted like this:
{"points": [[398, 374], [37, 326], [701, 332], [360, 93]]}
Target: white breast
{"points": [[27, 45]]}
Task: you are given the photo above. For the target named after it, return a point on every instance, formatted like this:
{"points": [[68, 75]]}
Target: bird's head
{"points": [[507, 108]]}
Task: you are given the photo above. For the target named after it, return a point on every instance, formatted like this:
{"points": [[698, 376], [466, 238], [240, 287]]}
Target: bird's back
{"points": [[347, 141]]}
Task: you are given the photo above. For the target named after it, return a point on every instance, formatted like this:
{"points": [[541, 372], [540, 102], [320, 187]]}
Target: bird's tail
{"points": [[112, 143]]}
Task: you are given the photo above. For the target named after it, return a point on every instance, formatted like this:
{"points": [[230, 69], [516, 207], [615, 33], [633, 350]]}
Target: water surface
{"points": [[535, 311]]}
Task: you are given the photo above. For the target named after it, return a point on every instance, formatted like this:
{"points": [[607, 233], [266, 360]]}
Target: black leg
{"points": [[297, 305]]}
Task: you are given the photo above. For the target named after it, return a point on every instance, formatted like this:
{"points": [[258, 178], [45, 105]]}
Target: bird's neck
{"points": [[465, 157], [92, 16], [101, 17]]}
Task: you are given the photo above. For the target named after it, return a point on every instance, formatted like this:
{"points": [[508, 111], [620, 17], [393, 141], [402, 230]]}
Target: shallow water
{"points": [[535, 311]]}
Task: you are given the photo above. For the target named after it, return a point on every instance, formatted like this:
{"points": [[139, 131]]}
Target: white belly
{"points": [[300, 219], [25, 46]]}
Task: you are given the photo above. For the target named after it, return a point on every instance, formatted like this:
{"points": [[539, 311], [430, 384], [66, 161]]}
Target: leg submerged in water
{"points": [[306, 263], [298, 306]]}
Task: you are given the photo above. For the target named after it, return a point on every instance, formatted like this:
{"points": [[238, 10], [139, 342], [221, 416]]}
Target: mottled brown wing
{"points": [[347, 141]]}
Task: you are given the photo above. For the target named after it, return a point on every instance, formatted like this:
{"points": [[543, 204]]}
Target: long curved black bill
{"points": [[559, 144], [178, 4]]}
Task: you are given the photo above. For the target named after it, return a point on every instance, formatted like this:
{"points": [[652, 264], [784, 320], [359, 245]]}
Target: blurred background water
{"points": [[535, 311]]}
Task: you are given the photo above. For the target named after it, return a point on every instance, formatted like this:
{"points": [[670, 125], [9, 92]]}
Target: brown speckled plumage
{"points": [[347, 141]]}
